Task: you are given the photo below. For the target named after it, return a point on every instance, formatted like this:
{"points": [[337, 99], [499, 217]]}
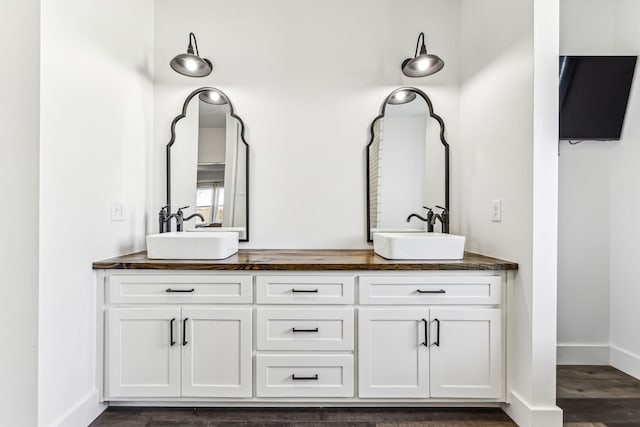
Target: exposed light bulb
{"points": [[423, 64], [214, 96], [191, 64], [400, 96]]}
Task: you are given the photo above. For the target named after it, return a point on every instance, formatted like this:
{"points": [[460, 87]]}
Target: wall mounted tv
{"points": [[594, 91]]}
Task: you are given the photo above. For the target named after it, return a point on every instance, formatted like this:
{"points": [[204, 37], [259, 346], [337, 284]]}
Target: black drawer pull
{"points": [[305, 330], [426, 336], [313, 378], [184, 331], [172, 341], [437, 342], [441, 291], [180, 290], [304, 291]]}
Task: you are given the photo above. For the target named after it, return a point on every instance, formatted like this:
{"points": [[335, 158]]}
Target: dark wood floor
{"points": [[590, 396]]}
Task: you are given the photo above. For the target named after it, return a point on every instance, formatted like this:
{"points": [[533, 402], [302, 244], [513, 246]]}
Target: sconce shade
{"points": [[402, 97], [190, 64], [213, 97], [423, 64]]}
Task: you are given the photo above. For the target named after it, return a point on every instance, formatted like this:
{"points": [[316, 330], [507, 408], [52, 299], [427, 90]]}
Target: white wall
{"points": [[19, 107], [625, 206], [586, 28], [601, 182], [507, 151], [307, 77], [96, 112]]}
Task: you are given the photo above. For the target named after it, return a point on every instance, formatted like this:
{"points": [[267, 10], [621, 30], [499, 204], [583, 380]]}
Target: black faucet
{"points": [[180, 219], [444, 219], [430, 219], [163, 220]]}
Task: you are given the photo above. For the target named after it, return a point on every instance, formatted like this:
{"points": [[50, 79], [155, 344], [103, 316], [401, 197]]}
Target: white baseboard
{"points": [[82, 413], [625, 361], [576, 354], [526, 415]]}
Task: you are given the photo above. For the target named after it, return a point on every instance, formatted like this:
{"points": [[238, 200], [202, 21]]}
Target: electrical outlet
{"points": [[117, 210], [496, 210]]}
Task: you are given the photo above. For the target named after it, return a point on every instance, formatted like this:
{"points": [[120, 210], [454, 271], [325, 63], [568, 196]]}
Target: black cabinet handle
{"points": [[313, 378], [441, 291], [437, 343], [305, 330], [304, 291], [426, 336], [171, 332], [184, 331], [179, 290]]}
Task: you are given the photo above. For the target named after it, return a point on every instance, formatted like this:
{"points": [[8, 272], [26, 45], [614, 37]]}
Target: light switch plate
{"points": [[117, 210], [496, 210]]}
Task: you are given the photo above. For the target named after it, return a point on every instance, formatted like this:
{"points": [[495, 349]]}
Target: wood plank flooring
{"points": [[590, 396], [598, 394]]}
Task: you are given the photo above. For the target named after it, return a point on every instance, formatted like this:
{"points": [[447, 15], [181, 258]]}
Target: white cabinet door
{"points": [[142, 362], [393, 360], [466, 353], [216, 352]]}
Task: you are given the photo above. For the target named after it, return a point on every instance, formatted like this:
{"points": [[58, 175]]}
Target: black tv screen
{"points": [[594, 91]]}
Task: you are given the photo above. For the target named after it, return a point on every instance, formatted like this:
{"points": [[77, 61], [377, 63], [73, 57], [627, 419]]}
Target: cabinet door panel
{"points": [[141, 360], [392, 360], [468, 361], [216, 359]]}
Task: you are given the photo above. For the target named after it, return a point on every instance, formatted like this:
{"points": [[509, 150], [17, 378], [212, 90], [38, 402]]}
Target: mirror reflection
{"points": [[407, 161], [209, 165]]}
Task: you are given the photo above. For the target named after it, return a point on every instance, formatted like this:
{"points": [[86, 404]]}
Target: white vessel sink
{"points": [[217, 245], [418, 245]]}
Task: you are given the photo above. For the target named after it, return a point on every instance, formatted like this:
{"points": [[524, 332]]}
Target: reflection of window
{"points": [[210, 202]]}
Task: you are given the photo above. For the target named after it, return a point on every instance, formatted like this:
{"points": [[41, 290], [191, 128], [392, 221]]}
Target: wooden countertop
{"points": [[303, 259]]}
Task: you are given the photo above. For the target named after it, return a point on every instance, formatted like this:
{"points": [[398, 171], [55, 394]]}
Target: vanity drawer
{"points": [[304, 289], [304, 375], [430, 290], [171, 289], [304, 328]]}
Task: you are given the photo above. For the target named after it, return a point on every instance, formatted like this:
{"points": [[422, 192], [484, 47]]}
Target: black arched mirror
{"points": [[208, 164], [407, 163]]}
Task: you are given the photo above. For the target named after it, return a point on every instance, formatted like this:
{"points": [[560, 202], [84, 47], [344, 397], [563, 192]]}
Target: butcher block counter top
{"points": [[303, 259]]}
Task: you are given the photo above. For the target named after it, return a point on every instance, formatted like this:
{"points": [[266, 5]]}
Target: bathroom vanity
{"points": [[302, 327]]}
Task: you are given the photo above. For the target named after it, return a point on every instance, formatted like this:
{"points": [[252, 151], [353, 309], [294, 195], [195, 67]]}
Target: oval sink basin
{"points": [[418, 245], [203, 245]]}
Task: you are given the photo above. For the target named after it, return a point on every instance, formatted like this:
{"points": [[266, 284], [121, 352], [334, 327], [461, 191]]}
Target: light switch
{"points": [[496, 210], [117, 210]]}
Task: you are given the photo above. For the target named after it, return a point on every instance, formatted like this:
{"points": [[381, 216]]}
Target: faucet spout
{"points": [[416, 216], [194, 215]]}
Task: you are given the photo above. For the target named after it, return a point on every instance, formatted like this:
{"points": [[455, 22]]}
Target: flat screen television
{"points": [[594, 91]]}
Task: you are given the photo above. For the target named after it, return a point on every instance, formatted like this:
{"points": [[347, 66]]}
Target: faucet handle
{"points": [[180, 209], [427, 208], [444, 210]]}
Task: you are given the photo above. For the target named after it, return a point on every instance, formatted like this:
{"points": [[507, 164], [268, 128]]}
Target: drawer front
{"points": [[430, 290], [183, 289], [304, 289], [304, 375], [304, 328]]}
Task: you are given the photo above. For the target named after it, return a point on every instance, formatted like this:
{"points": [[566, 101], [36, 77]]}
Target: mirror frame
{"points": [[443, 140], [182, 115]]}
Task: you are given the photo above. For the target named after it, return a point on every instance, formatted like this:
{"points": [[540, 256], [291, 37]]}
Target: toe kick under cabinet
{"points": [[318, 337]]}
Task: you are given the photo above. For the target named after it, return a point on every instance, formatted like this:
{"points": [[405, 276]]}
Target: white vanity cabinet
{"points": [[423, 345], [170, 350], [304, 337]]}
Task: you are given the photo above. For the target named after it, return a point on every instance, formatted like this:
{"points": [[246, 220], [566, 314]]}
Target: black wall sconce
{"points": [[190, 64], [422, 64]]}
